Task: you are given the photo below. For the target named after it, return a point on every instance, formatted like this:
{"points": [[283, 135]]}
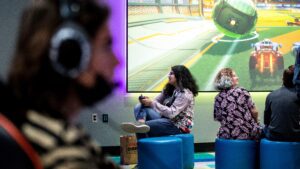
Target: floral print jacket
{"points": [[181, 112], [232, 109]]}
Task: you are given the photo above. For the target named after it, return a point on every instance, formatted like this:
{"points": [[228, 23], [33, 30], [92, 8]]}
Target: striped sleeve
{"points": [[62, 145]]}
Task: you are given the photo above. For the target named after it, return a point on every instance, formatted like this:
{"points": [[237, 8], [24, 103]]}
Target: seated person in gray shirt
{"points": [[282, 111]]}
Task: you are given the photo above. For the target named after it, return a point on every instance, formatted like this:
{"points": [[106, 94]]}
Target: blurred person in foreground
{"points": [[234, 108], [63, 62], [282, 111]]}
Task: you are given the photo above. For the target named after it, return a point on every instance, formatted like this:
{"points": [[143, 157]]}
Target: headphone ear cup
{"points": [[70, 50]]}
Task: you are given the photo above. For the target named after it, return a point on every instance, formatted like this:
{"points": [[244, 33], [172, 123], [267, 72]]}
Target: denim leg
{"points": [[162, 127], [139, 113], [267, 134], [141, 135], [146, 113], [158, 126], [151, 114]]}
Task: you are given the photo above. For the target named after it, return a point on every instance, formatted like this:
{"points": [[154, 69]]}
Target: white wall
{"points": [[120, 109], [10, 11]]}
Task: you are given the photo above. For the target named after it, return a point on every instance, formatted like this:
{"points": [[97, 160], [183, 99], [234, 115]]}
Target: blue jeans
{"points": [[159, 126]]}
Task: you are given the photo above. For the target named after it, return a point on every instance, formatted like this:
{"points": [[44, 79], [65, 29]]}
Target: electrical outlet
{"points": [[94, 118], [105, 118]]}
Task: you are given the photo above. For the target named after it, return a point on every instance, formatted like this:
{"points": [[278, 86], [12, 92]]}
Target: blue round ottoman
{"points": [[160, 153], [188, 150], [279, 155], [236, 154]]}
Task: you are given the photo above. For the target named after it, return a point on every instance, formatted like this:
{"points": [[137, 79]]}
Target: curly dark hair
{"points": [[185, 80]]}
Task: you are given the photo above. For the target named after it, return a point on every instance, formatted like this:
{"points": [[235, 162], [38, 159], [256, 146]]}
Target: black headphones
{"points": [[70, 49]]}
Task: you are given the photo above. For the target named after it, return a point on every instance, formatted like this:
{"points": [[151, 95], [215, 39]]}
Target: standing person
{"points": [[169, 113], [63, 62], [282, 111], [234, 108]]}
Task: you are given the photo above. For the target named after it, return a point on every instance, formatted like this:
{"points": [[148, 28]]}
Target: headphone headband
{"points": [[69, 9]]}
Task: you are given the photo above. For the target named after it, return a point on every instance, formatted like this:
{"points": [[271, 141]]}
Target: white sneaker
{"points": [[135, 127]]}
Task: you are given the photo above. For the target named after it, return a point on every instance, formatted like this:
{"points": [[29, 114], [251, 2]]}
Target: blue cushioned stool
{"points": [[236, 154], [188, 150], [160, 153], [279, 155]]}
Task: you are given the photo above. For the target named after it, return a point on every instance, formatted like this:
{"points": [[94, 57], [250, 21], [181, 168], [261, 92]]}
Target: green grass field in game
{"points": [[239, 59], [271, 24]]}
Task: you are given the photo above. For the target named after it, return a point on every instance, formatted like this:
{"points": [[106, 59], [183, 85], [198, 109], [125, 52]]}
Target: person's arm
{"points": [[254, 113], [182, 100], [268, 111], [146, 101], [251, 105], [217, 114], [160, 98]]}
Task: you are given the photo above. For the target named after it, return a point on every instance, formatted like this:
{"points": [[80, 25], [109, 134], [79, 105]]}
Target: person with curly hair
{"points": [[169, 113], [234, 108]]}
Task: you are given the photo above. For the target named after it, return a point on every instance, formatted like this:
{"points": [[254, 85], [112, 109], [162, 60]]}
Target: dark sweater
{"points": [[282, 114]]}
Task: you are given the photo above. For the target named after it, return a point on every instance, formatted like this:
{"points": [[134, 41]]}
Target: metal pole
{"points": [[176, 6], [158, 3], [200, 6], [190, 4]]}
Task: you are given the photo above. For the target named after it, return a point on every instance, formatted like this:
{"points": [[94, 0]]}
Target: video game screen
{"points": [[256, 38]]}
